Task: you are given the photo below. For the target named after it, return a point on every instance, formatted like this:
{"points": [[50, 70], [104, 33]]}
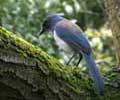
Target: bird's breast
{"points": [[61, 44]]}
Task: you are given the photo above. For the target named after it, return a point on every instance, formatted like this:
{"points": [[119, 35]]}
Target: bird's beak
{"points": [[41, 31]]}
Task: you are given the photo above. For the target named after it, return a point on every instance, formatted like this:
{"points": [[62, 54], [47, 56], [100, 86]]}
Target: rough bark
{"points": [[113, 11], [28, 73]]}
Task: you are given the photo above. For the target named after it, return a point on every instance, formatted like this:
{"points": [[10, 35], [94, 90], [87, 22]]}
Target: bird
{"points": [[70, 34]]}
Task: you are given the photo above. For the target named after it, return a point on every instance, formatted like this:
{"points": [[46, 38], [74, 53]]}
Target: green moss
{"points": [[50, 66], [26, 49]]}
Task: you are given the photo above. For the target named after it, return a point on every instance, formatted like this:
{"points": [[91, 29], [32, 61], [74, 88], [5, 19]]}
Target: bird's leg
{"points": [[80, 58], [74, 54]]}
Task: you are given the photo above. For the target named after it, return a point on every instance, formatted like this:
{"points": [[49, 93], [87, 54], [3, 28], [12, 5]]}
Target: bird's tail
{"points": [[94, 72]]}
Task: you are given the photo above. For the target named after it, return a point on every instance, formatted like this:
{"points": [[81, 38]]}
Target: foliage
{"points": [[26, 16]]}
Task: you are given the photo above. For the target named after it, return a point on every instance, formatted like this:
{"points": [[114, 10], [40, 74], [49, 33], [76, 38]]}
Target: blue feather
{"points": [[94, 72], [72, 35]]}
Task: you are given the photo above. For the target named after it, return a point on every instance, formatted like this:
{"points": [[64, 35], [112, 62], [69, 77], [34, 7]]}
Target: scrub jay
{"points": [[67, 33]]}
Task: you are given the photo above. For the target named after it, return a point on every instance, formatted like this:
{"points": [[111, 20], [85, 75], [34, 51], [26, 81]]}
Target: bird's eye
{"points": [[46, 24]]}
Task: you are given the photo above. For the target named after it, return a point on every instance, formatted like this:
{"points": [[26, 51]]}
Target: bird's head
{"points": [[50, 22]]}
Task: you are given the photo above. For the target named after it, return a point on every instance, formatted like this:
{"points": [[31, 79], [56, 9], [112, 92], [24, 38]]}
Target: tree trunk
{"points": [[28, 73], [112, 10]]}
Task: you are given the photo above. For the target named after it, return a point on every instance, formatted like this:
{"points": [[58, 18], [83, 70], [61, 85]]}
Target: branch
{"points": [[28, 73]]}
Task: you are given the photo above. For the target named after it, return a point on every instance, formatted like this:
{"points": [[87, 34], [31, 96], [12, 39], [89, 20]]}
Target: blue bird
{"points": [[67, 33]]}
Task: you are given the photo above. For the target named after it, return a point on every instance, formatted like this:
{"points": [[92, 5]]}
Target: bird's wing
{"points": [[72, 35]]}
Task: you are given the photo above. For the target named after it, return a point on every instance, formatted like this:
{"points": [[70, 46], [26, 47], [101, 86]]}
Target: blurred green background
{"points": [[24, 17]]}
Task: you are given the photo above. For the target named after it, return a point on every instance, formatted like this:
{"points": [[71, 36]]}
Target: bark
{"points": [[113, 10], [28, 73]]}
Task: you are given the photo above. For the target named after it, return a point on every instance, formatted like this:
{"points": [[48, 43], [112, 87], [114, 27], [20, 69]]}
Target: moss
{"points": [[50, 66], [26, 49]]}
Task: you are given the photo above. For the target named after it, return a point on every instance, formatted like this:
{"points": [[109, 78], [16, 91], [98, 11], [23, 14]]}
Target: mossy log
{"points": [[28, 73]]}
